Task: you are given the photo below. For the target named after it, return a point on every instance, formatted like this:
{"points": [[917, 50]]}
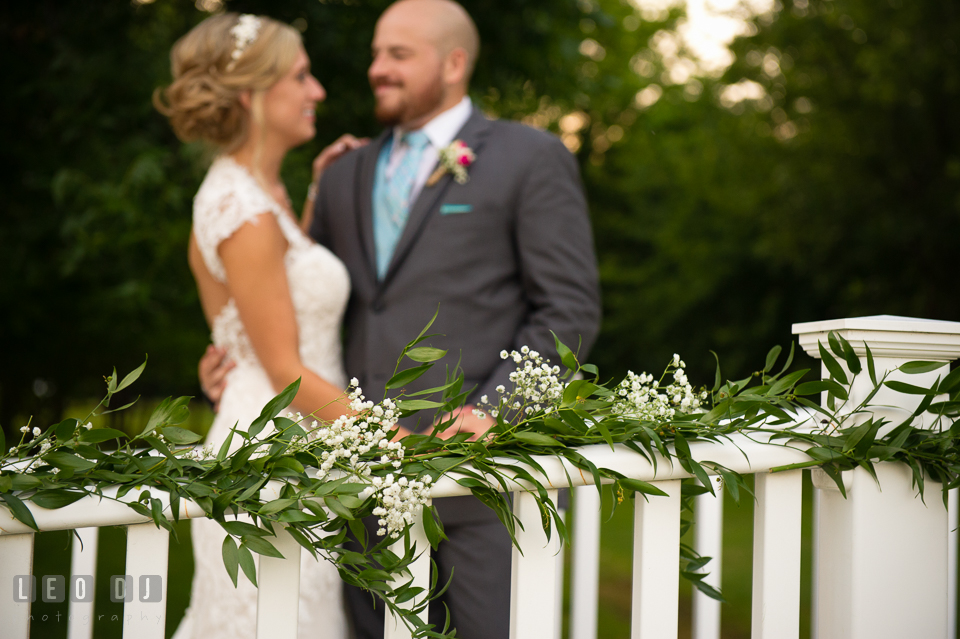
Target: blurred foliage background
{"points": [[812, 175]]}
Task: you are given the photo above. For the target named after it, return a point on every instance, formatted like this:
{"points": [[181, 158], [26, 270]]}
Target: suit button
{"points": [[378, 307]]}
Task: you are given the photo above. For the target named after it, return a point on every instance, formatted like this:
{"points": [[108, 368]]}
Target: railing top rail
{"points": [[738, 452]]}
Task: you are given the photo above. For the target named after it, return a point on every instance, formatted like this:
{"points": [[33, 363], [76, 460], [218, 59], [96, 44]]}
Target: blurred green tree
{"points": [[828, 189]]}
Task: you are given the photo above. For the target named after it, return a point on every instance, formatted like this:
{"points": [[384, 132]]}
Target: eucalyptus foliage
{"points": [[62, 464]]}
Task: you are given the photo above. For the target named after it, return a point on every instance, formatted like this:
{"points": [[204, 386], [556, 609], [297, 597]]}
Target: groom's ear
{"points": [[455, 67]]}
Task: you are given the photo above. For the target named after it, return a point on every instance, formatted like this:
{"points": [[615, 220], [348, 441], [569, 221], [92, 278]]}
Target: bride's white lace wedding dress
{"points": [[319, 285]]}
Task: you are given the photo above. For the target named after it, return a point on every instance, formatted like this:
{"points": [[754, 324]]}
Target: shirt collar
{"points": [[442, 129]]}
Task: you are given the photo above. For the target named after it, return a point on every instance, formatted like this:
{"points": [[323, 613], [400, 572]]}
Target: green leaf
{"points": [[25, 482], [833, 366], [789, 361], [426, 354], [819, 386], [273, 408], [247, 564], [536, 439], [132, 376], [787, 382], [19, 510], [56, 498], [417, 404], [338, 509], [950, 381], [850, 356], [231, 558], [432, 527], [180, 436], [275, 506], [261, 546], [170, 412], [915, 368], [871, 365], [824, 454], [772, 356], [858, 434], [65, 429], [289, 462], [835, 345], [566, 355], [97, 435], [404, 377], [641, 487], [717, 379], [909, 389], [243, 529], [68, 460]]}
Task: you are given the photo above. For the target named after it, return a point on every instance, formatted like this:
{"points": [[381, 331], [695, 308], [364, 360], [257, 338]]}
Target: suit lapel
{"points": [[366, 173], [473, 134]]}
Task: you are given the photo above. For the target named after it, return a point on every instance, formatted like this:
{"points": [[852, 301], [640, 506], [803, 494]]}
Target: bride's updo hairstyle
{"points": [[203, 101]]}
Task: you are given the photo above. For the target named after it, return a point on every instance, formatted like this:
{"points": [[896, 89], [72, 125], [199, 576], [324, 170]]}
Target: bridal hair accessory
{"points": [[244, 33], [456, 159]]}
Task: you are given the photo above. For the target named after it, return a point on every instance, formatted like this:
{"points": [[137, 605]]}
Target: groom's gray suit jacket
{"points": [[507, 257]]}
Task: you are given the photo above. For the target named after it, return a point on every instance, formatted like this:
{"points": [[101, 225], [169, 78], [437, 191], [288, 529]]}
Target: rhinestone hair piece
{"points": [[244, 33]]}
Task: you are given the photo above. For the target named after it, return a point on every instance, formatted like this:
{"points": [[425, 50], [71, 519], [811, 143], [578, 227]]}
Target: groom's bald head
{"points": [[444, 23], [424, 52]]}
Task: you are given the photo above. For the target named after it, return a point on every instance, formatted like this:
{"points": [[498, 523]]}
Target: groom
{"points": [[506, 256]]}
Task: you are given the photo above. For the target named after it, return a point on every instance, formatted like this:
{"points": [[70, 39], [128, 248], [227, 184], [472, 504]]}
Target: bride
{"points": [[272, 297]]}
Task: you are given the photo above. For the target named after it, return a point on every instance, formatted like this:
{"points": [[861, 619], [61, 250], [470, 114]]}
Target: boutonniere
{"points": [[455, 159]]}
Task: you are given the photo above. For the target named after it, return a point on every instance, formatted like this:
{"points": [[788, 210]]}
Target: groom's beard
{"points": [[410, 107]]}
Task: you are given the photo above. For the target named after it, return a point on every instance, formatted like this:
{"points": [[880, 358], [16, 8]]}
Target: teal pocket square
{"points": [[448, 209]]}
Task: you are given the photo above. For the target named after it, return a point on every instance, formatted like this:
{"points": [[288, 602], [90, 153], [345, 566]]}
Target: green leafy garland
{"points": [[545, 414]]}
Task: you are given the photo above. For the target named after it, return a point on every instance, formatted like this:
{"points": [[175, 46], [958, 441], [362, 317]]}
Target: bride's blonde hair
{"points": [[203, 101]]}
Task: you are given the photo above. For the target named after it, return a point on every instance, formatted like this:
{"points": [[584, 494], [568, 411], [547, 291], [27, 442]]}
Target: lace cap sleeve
{"points": [[227, 199]]}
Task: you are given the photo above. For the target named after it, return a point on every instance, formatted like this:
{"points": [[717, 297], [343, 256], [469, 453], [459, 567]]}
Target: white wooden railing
{"points": [[880, 558]]}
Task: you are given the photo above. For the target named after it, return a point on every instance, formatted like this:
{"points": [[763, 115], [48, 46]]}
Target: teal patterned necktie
{"points": [[391, 196]]}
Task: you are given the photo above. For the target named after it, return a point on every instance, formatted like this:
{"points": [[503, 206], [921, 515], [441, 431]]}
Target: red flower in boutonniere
{"points": [[455, 159]]}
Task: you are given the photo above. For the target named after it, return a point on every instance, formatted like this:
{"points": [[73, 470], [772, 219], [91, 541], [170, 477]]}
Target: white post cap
{"points": [[888, 336]]}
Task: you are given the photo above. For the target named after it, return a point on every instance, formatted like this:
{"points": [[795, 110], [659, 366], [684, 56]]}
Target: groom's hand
{"points": [[212, 371]]}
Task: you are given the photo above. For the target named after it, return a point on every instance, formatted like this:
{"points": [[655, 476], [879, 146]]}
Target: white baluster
{"points": [[394, 628], [709, 543], [148, 548], [953, 507], [656, 555], [83, 561], [278, 592], [16, 558], [585, 571], [534, 574], [776, 555]]}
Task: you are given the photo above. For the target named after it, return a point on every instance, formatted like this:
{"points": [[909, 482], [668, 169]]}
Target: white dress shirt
{"points": [[441, 131]]}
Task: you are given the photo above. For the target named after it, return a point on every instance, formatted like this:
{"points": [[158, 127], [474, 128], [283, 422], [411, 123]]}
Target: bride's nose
{"points": [[317, 92]]}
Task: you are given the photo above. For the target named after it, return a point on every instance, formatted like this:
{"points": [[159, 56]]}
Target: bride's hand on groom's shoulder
{"points": [[343, 145], [212, 371]]}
